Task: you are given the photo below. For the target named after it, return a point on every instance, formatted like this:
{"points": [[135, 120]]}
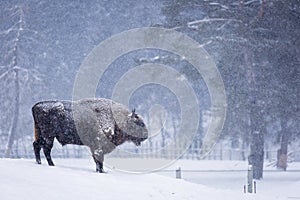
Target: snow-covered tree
{"points": [[244, 37], [16, 72]]}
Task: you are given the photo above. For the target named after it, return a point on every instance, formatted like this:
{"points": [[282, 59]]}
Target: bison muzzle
{"points": [[101, 124]]}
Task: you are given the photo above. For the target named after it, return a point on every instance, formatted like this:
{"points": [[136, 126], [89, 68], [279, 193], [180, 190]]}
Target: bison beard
{"points": [[100, 124]]}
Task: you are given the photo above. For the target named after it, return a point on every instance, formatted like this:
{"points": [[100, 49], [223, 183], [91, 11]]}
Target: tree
{"points": [[288, 85], [16, 72], [13, 71], [226, 28], [245, 38]]}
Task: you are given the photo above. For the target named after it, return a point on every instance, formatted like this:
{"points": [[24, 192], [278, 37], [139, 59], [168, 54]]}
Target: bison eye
{"points": [[139, 123]]}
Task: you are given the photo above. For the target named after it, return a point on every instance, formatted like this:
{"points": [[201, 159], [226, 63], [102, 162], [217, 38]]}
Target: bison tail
{"points": [[37, 143], [36, 133]]}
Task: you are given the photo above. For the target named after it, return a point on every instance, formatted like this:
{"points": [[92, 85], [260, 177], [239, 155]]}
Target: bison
{"points": [[101, 124]]}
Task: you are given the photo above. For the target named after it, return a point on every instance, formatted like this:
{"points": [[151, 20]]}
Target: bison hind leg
{"points": [[37, 149]]}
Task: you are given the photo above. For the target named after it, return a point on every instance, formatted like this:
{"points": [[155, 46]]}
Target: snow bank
{"points": [[76, 179]]}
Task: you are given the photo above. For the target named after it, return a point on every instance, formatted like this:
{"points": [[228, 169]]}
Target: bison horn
{"points": [[133, 113]]}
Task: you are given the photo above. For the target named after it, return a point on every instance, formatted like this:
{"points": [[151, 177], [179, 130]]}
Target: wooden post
{"points": [[250, 179], [178, 173]]}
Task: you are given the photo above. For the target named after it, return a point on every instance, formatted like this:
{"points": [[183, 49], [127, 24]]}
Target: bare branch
{"points": [[6, 32], [18, 68], [4, 74], [205, 20], [194, 24], [218, 4], [223, 25], [206, 43], [250, 2], [3, 67]]}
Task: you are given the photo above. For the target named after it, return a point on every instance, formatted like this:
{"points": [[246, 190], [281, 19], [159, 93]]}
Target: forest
{"points": [[254, 44]]}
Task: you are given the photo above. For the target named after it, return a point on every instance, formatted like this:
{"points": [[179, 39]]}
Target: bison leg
{"points": [[37, 149], [37, 144], [99, 166], [98, 158], [47, 150]]}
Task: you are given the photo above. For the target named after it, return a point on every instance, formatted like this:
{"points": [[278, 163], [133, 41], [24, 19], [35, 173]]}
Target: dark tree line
{"points": [[255, 45]]}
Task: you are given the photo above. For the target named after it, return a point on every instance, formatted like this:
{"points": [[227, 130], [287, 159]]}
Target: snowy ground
{"points": [[231, 175], [76, 179]]}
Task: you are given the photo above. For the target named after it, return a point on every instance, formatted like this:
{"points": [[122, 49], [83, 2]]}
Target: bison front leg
{"points": [[98, 157], [47, 150]]}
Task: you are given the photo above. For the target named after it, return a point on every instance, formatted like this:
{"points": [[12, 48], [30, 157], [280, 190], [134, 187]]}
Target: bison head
{"points": [[136, 129]]}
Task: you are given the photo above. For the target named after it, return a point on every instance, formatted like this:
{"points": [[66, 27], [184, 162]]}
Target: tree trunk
{"points": [[256, 157], [282, 152], [15, 65], [14, 126], [243, 150]]}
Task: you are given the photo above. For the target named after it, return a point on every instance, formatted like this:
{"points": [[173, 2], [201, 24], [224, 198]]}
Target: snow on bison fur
{"points": [[101, 124]]}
